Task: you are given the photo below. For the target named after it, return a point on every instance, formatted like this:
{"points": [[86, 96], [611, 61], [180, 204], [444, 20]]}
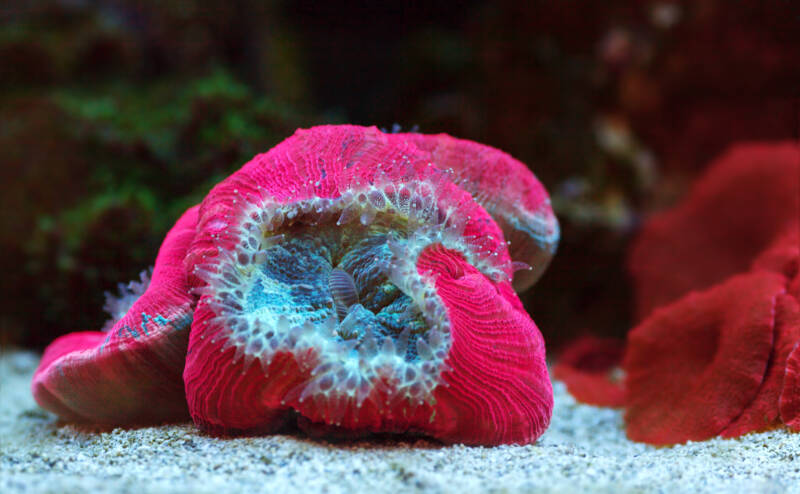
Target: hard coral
{"points": [[719, 361], [345, 283], [735, 210], [433, 340], [590, 368], [508, 191], [693, 366], [132, 372]]}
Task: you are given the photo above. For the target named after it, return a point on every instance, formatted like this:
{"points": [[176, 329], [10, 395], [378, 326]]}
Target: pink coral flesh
{"points": [[747, 197], [498, 389], [472, 370], [587, 368], [508, 190], [693, 366], [132, 373]]}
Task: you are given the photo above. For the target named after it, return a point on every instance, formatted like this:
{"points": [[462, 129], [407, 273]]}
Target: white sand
{"points": [[584, 450]]}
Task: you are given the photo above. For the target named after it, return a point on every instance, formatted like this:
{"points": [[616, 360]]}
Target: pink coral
{"points": [[438, 342], [346, 283]]}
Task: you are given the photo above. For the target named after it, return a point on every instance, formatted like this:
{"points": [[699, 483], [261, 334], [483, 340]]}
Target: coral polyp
{"points": [[344, 281]]}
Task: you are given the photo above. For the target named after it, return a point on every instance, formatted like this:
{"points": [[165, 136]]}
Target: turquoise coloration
{"points": [[178, 324], [293, 283]]}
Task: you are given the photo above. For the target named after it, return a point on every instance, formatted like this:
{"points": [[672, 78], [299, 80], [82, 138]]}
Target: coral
{"points": [[508, 191], [590, 368], [693, 366], [715, 356], [343, 281], [433, 340], [132, 372], [746, 198]]}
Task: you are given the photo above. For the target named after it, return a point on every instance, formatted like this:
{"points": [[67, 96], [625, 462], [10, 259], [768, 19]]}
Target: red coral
{"points": [[717, 362], [693, 366], [588, 367], [132, 373], [790, 394], [735, 210]]}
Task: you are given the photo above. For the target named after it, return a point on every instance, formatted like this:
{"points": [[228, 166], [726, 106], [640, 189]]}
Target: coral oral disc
{"points": [[294, 286]]}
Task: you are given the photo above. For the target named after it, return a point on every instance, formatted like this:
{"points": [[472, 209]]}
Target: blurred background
{"points": [[115, 116]]}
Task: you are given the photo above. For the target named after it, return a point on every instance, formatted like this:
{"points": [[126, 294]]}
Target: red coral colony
{"points": [[717, 284], [348, 281]]}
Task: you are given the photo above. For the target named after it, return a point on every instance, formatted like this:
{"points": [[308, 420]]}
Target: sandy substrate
{"points": [[585, 450]]}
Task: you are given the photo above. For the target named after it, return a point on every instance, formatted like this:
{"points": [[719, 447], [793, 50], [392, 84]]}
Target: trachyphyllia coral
{"points": [[720, 358], [746, 198], [434, 341], [344, 281]]}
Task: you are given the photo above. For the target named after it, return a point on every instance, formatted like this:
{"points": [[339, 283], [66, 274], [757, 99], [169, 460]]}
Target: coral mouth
{"points": [[334, 281]]}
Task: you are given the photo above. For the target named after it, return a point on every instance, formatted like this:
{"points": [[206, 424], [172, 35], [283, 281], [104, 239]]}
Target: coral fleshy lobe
{"points": [[130, 374], [789, 403], [737, 208], [590, 368], [763, 412], [508, 191], [346, 279], [695, 365], [694, 372]]}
